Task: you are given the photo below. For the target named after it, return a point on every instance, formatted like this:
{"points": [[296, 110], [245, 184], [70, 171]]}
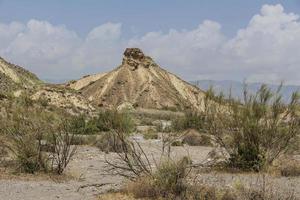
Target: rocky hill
{"points": [[13, 77], [139, 81], [17, 80]]}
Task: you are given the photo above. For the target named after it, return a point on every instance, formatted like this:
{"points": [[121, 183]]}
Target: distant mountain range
{"points": [[237, 88]]}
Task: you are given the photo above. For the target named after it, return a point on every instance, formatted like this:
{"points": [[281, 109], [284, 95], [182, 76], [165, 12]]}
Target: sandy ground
{"points": [[90, 180]]}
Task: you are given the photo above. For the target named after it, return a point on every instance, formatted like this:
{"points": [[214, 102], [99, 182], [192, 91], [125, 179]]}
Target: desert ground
{"points": [[87, 177]]}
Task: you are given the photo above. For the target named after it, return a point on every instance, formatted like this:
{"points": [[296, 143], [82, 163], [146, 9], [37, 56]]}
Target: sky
{"points": [[257, 41]]}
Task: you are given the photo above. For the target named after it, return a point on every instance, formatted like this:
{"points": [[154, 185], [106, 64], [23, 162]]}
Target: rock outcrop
{"points": [[134, 58]]}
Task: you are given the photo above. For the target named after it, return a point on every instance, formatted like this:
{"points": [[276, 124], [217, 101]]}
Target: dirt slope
{"points": [[16, 80], [13, 77], [141, 82], [61, 97]]}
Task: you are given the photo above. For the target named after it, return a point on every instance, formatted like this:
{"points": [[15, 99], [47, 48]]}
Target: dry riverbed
{"points": [[86, 178]]}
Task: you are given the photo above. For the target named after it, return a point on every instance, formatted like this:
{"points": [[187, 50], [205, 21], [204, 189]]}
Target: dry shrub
{"points": [[141, 188], [290, 168], [176, 143], [114, 196], [150, 135], [148, 188], [265, 194], [109, 142], [3, 150], [193, 138], [228, 195], [201, 192], [63, 149], [131, 160], [168, 181], [84, 139], [170, 177], [263, 189]]}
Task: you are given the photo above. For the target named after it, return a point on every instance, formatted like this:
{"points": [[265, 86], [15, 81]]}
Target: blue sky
{"points": [[138, 16], [209, 39]]}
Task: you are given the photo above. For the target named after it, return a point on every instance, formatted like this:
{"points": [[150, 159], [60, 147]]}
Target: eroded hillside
{"points": [[140, 82], [13, 77]]}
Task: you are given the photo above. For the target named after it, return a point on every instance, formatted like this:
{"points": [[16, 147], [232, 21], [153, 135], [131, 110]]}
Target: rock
{"points": [[163, 124], [125, 107], [134, 53], [134, 57]]}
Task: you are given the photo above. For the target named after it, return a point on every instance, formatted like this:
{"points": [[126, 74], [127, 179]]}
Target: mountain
{"points": [[13, 77], [237, 88], [140, 82]]}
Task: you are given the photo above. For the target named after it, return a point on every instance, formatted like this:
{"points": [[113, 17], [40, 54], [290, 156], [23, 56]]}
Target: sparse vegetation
{"points": [[150, 134], [112, 119], [290, 168], [81, 125], [168, 181], [34, 139], [193, 138], [191, 120], [24, 139], [109, 142], [132, 161], [62, 141], [167, 186], [256, 131], [262, 190]]}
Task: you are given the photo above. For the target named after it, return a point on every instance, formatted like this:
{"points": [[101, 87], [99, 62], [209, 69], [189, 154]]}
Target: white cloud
{"points": [[101, 49], [8, 32], [105, 32], [42, 41], [269, 45], [183, 48], [267, 49], [57, 52]]}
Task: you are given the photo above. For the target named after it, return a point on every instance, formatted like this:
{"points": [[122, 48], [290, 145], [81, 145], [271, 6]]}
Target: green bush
{"points": [[112, 119], [191, 120], [25, 132], [37, 140], [256, 131], [81, 125]]}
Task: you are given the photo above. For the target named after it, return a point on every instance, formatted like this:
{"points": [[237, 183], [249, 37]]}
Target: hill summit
{"points": [[139, 81]]}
